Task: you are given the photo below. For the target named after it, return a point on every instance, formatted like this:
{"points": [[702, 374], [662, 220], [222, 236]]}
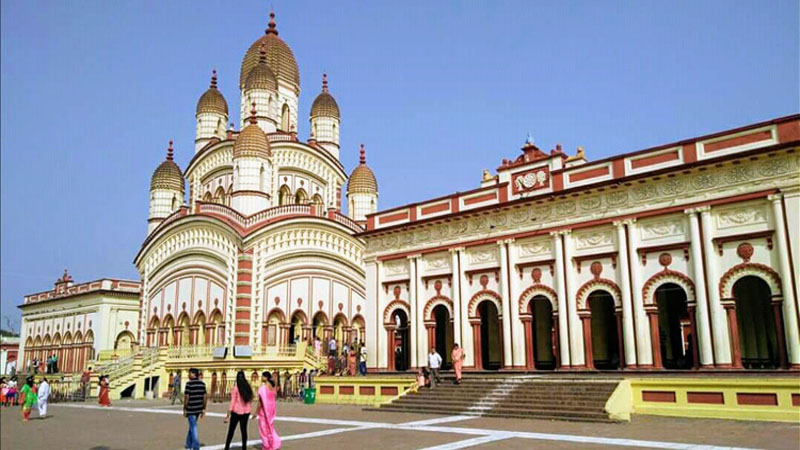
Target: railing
{"points": [[286, 351], [190, 352], [281, 136], [68, 391], [110, 355], [150, 356], [275, 212]]}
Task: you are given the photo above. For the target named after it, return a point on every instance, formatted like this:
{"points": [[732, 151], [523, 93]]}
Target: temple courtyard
{"points": [[156, 424]]}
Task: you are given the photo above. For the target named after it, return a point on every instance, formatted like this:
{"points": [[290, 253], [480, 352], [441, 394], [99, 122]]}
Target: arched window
{"points": [[219, 196], [301, 198], [285, 117], [317, 201], [207, 198], [174, 203], [284, 196], [261, 179]]}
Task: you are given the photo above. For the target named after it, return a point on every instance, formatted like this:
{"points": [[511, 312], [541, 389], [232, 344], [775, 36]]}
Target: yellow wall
{"points": [[372, 390]]}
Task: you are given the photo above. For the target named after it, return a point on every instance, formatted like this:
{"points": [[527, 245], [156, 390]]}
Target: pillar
{"points": [[466, 335], [778, 313], [644, 355], [209, 334], [703, 322], [733, 324], [693, 329], [586, 323], [576, 341], [622, 346], [625, 286], [506, 303], [431, 329], [529, 350], [390, 347], [414, 327], [561, 291], [518, 356], [792, 336], [476, 343], [655, 338], [719, 325], [455, 294]]}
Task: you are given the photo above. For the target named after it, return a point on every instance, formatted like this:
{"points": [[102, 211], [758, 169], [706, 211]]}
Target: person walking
{"points": [[434, 362], [55, 363], [457, 355], [351, 363], [103, 396], [176, 388], [266, 413], [194, 407], [85, 379], [362, 363], [28, 398], [239, 409], [11, 395], [43, 394]]}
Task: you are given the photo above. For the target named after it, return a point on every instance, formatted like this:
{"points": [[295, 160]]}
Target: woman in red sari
{"points": [[351, 363], [104, 399], [457, 355]]}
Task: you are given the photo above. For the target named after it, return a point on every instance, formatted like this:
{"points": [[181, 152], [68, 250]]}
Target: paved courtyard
{"points": [[158, 425]]}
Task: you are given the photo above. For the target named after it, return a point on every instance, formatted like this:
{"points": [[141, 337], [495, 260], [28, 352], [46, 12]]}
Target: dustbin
{"points": [[309, 396]]}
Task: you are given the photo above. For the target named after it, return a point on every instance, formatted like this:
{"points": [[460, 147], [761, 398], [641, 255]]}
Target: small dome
{"points": [[325, 105], [362, 180], [261, 77], [252, 141], [279, 57], [212, 100], [167, 175]]}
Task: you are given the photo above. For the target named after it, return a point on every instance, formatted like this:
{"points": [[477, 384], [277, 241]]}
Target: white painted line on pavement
{"points": [[437, 421], [410, 426], [471, 442], [291, 437]]}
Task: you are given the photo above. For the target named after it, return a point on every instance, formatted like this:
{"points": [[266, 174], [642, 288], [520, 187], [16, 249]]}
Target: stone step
{"points": [[509, 413], [601, 400], [503, 406]]}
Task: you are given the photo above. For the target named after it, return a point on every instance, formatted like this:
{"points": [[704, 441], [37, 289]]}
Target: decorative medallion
{"points": [[155, 309], [341, 306], [169, 307], [319, 304], [397, 291], [277, 300], [596, 268], [665, 259], [299, 301], [537, 275], [127, 324], [90, 323], [216, 301], [438, 287], [358, 308], [199, 303], [484, 281], [184, 306], [745, 251]]}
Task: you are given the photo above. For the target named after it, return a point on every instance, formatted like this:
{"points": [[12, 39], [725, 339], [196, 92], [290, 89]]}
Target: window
{"points": [[285, 117]]}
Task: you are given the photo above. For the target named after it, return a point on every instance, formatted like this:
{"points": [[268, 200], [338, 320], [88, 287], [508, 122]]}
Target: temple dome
{"points": [[279, 57], [168, 175], [212, 100], [362, 180], [252, 141], [325, 105]]}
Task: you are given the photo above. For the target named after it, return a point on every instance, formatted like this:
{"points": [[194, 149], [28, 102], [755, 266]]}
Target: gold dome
{"points": [[212, 100], [167, 175], [279, 57], [325, 105], [252, 141], [362, 180], [261, 77]]}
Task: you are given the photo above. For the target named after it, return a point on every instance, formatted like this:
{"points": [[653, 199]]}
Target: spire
{"points": [[170, 152], [363, 157], [272, 27], [214, 79], [253, 120], [529, 140], [325, 82]]}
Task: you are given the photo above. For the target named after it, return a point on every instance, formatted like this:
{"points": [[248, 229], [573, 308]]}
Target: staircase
{"points": [[130, 370], [517, 396]]}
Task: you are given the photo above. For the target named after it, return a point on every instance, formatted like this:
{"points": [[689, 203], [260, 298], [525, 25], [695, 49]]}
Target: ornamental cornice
{"points": [[778, 172]]}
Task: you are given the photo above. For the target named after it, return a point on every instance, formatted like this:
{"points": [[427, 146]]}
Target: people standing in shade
{"points": [[85, 379], [103, 397], [266, 413], [457, 355], [194, 407], [239, 409], [332, 347], [28, 398], [362, 363], [434, 362], [55, 363], [43, 394], [176, 388], [343, 364], [351, 362]]}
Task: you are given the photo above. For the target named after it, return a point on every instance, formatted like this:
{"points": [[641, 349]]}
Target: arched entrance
{"points": [[318, 326], [605, 347], [340, 330], [400, 355], [491, 349], [676, 344], [124, 341], [443, 335], [542, 332], [759, 340], [296, 327]]}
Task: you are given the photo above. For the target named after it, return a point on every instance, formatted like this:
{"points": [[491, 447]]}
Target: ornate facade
{"points": [[260, 254], [680, 256]]}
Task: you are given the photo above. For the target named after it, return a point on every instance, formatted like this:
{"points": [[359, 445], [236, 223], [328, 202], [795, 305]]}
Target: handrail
{"points": [[272, 213]]}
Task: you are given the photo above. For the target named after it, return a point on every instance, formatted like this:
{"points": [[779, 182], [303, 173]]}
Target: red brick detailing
{"points": [[586, 174], [690, 153], [242, 328], [393, 217], [435, 208], [480, 296], [789, 131], [618, 168], [454, 207], [245, 276], [326, 390], [242, 315], [395, 304], [503, 191], [412, 213], [539, 181], [667, 276], [427, 313], [558, 182], [371, 223], [537, 289], [673, 155], [480, 198], [242, 300], [746, 398], [597, 283], [711, 398], [737, 141], [346, 390], [388, 390], [659, 396], [243, 288], [246, 264], [733, 271], [366, 390], [795, 399]]}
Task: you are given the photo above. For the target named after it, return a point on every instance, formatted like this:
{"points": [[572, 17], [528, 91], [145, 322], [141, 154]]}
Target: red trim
{"points": [[645, 161], [480, 198], [659, 396], [586, 174], [747, 398], [737, 141], [393, 217], [434, 208]]}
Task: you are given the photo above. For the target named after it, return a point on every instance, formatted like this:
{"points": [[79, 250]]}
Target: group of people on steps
{"points": [[429, 376]]}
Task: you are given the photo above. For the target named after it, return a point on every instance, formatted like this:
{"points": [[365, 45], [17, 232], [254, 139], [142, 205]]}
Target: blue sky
{"points": [[91, 91]]}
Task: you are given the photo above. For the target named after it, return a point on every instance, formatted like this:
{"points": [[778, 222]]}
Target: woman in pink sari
{"points": [[457, 355], [266, 413], [351, 363]]}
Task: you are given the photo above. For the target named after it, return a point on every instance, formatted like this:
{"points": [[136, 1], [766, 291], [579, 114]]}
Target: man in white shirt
{"points": [[43, 393], [332, 347], [434, 362]]}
